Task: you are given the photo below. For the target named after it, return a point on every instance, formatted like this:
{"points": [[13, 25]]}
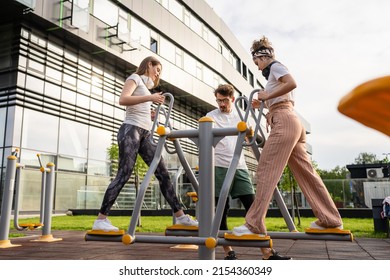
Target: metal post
{"points": [[6, 205], [48, 208], [43, 194], [206, 185], [43, 189]]}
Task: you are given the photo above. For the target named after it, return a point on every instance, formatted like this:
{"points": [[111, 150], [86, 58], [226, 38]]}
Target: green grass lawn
{"points": [[359, 227]]}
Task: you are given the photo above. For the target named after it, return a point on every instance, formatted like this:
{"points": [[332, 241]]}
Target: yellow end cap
{"points": [[211, 243], [50, 164], [192, 194], [241, 126], [206, 119], [12, 157], [161, 130], [127, 239]]}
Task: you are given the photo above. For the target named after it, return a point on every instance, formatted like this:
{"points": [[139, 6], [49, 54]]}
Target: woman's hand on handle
{"points": [[157, 97]]}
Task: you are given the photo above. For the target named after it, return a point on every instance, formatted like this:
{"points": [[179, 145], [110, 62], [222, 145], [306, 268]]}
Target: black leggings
{"points": [[246, 200], [133, 140]]}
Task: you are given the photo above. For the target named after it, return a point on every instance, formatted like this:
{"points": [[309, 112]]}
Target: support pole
{"points": [[48, 208], [6, 205], [206, 185]]}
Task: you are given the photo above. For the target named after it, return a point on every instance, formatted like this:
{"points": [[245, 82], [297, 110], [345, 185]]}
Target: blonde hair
{"points": [[143, 67], [261, 45]]}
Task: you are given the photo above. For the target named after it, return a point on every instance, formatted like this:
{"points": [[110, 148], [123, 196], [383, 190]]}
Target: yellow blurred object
{"points": [[369, 104], [193, 195]]}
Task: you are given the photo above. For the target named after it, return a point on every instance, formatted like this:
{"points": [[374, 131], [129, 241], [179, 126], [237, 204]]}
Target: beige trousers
{"points": [[286, 145]]}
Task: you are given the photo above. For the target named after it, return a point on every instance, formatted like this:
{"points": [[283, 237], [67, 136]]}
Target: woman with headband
{"points": [[286, 145]]}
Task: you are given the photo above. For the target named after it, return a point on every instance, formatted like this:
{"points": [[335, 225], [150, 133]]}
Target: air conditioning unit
{"points": [[375, 173]]}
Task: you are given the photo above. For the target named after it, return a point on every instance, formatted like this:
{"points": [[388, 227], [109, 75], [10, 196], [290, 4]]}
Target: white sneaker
{"points": [[243, 230], [104, 225], [186, 220], [313, 225]]}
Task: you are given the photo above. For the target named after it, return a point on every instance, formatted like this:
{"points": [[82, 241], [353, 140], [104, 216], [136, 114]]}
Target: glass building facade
{"points": [[62, 68]]}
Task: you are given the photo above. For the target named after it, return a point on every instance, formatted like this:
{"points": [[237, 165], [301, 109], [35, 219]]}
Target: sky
{"points": [[330, 47]]}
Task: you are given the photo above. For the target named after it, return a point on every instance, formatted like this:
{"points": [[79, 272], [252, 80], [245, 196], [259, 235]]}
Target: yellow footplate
{"points": [[181, 227], [247, 237], [31, 226], [102, 232], [328, 231]]}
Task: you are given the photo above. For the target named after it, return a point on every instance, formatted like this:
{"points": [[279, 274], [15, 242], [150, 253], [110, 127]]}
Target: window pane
{"points": [[68, 96], [123, 28], [73, 138], [167, 50], [83, 101], [31, 188], [80, 15], [22, 61], [55, 49], [99, 149], [34, 65], [34, 84], [195, 25], [96, 106], [108, 110], [176, 9], [72, 164], [153, 45], [40, 131], [21, 80], [106, 12], [83, 86], [189, 64], [14, 126], [99, 168], [140, 31], [67, 186], [53, 73], [52, 90]]}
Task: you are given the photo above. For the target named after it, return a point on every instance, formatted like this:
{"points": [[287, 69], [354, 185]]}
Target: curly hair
{"points": [[262, 44], [225, 90]]}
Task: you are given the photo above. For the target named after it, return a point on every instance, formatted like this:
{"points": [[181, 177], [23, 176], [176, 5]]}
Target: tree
{"points": [[113, 156], [288, 183], [140, 167], [336, 173], [366, 158]]}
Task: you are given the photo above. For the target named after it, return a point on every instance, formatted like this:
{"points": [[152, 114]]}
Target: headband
{"points": [[262, 52]]}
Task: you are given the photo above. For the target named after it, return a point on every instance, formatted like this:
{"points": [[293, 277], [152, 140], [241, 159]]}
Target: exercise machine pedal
{"points": [[328, 231], [31, 226]]}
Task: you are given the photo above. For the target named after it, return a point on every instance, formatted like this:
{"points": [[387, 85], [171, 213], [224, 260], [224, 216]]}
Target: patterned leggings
{"points": [[133, 140]]}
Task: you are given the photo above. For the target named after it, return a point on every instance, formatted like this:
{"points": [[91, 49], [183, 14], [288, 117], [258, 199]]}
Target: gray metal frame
{"points": [[206, 137], [47, 198]]}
